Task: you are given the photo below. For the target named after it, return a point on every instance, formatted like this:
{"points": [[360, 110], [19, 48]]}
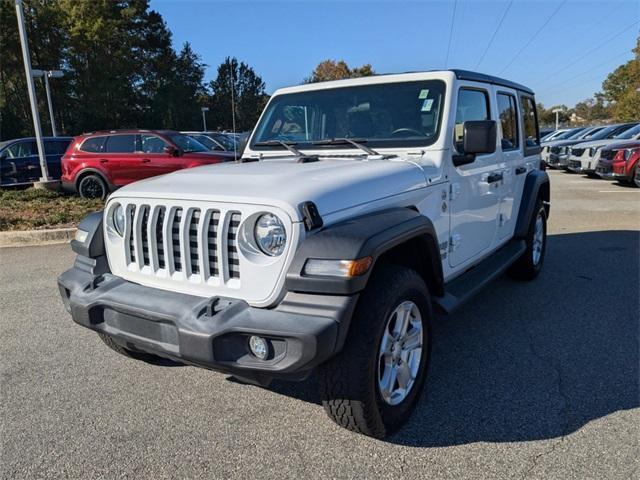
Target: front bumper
{"points": [[303, 330], [557, 160], [575, 165]]}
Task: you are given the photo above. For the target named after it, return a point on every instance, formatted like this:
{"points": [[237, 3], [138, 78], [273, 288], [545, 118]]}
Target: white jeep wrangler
{"points": [[360, 209]]}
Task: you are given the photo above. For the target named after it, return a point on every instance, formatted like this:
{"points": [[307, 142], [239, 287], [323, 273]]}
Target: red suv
{"points": [[99, 162], [621, 163]]}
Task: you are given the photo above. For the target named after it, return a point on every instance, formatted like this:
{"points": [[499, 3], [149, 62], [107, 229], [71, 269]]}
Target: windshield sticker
{"points": [[424, 93], [426, 106]]}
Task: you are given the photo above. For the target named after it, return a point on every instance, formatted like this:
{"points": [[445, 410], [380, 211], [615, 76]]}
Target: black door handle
{"points": [[520, 170], [494, 177], [145, 160]]}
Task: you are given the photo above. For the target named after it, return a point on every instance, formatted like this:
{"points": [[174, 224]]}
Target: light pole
{"points": [[32, 91], [46, 75], [204, 118], [557, 111]]}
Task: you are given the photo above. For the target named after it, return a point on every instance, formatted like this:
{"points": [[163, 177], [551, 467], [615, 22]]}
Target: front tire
{"points": [[372, 386], [636, 176], [529, 265]]}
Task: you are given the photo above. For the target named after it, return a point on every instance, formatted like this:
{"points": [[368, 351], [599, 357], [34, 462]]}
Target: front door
{"points": [[20, 163], [475, 187]]}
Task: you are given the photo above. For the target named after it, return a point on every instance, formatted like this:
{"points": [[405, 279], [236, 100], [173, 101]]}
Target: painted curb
{"points": [[36, 237]]}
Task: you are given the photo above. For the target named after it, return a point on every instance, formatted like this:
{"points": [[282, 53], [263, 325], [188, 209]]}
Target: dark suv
{"points": [[20, 164], [99, 162]]}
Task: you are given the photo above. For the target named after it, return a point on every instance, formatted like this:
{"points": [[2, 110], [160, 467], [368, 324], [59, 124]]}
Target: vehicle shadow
{"points": [[532, 360]]}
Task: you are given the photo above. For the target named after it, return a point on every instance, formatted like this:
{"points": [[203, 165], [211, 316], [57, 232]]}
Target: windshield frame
{"points": [[400, 143]]}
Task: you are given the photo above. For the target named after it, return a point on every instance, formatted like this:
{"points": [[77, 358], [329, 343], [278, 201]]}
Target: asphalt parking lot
{"points": [[528, 380]]}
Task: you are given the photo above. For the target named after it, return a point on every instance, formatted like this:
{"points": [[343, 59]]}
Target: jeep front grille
{"points": [[167, 240]]}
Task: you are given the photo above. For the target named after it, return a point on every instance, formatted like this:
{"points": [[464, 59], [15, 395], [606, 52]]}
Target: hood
{"points": [[595, 143], [618, 144], [332, 184]]}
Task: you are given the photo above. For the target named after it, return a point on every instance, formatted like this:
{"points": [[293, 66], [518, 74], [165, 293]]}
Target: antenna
{"points": [[233, 110]]}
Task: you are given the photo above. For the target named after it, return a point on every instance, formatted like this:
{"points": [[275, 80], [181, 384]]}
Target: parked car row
{"points": [[609, 151], [94, 164]]}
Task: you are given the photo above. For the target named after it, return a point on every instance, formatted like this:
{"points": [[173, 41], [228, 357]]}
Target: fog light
{"points": [[259, 347]]}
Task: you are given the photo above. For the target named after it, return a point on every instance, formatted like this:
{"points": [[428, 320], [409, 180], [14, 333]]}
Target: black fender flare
{"points": [[367, 235], [536, 185]]}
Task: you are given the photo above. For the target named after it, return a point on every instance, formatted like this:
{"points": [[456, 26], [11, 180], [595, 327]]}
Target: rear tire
{"points": [[92, 186], [358, 386], [635, 181], [528, 266]]}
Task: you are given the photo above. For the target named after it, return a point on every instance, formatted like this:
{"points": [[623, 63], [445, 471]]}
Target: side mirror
{"points": [[479, 137], [172, 151]]}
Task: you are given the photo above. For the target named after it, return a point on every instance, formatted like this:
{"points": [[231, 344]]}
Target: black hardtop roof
{"points": [[482, 77]]}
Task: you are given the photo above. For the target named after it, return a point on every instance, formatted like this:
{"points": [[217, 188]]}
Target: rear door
{"points": [[54, 149], [122, 162], [474, 190], [512, 167]]}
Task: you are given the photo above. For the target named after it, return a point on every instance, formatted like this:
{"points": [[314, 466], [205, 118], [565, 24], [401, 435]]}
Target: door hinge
{"points": [[454, 242], [454, 191], [500, 219]]}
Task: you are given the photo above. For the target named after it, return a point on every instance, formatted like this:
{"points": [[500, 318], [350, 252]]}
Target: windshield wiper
{"points": [[288, 145], [348, 141]]}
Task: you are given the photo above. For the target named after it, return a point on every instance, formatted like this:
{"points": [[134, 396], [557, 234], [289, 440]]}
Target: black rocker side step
{"points": [[462, 288]]}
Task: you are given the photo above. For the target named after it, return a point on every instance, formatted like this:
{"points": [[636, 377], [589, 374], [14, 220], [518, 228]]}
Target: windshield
{"points": [[628, 134], [187, 144], [384, 115], [227, 141], [607, 132], [574, 133], [207, 142]]}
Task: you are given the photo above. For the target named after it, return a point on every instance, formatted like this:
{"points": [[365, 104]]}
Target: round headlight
{"points": [[117, 217], [270, 234]]}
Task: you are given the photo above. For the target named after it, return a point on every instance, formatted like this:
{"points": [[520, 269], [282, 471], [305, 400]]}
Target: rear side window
{"points": [[530, 123], [121, 144], [55, 147], [472, 105], [93, 145], [507, 113]]}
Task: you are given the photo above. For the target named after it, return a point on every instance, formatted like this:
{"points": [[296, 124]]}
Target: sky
{"points": [[562, 49]]}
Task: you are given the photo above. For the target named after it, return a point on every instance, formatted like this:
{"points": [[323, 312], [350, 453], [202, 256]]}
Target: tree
{"points": [[120, 68], [621, 88], [337, 70], [593, 109], [546, 116], [246, 100]]}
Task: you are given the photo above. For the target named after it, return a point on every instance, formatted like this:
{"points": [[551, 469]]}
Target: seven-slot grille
{"points": [[186, 240]]}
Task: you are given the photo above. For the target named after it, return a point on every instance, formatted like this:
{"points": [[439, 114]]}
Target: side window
{"points": [[121, 144], [507, 113], [152, 144], [22, 149], [472, 105], [55, 147], [93, 145], [530, 122]]}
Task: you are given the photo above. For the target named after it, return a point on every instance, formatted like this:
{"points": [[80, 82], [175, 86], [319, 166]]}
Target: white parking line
{"points": [[617, 191]]}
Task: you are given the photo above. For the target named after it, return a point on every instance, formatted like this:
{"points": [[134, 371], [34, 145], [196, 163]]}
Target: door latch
{"points": [[454, 191]]}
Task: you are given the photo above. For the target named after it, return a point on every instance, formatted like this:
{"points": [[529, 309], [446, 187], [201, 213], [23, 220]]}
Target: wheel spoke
{"points": [[412, 340], [404, 376], [388, 381]]}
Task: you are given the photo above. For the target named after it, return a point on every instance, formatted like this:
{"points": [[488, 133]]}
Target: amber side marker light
{"points": [[316, 267]]}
